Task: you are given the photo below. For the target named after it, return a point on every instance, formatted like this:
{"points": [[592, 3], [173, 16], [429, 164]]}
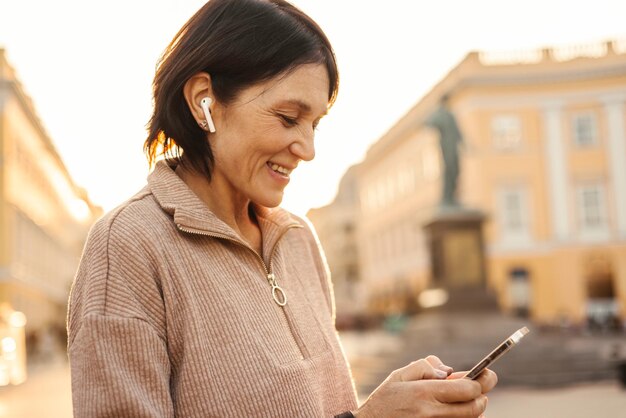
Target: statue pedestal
{"points": [[457, 255]]}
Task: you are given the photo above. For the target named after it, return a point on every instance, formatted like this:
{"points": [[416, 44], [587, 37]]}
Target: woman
{"points": [[199, 297]]}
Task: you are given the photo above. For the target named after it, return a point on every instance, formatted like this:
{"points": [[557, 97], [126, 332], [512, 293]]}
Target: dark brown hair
{"points": [[239, 43]]}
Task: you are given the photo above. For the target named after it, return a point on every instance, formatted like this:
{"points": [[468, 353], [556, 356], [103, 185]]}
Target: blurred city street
{"points": [[46, 393], [552, 374], [374, 353], [602, 400]]}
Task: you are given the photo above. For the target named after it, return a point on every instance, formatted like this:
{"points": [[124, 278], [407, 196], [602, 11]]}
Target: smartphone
{"points": [[497, 353]]}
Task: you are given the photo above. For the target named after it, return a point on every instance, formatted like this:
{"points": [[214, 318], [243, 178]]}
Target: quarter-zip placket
{"points": [[278, 294]]}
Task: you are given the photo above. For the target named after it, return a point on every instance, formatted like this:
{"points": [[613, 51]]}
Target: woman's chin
{"points": [[270, 201]]}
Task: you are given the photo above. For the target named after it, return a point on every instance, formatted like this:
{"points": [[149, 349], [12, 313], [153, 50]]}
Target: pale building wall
{"points": [[335, 225], [396, 190], [44, 216], [4, 233]]}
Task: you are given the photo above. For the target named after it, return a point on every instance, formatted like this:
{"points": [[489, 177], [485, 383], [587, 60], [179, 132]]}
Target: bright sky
{"points": [[88, 66]]}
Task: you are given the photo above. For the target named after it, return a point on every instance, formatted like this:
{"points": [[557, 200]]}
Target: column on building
{"points": [[556, 162], [616, 151]]}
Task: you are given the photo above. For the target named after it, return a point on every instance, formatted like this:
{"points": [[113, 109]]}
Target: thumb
{"points": [[418, 370]]}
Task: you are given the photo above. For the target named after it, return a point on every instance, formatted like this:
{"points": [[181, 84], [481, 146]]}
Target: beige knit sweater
{"points": [[171, 314]]}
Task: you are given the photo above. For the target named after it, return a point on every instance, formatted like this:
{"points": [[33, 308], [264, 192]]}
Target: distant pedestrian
{"points": [[199, 297]]}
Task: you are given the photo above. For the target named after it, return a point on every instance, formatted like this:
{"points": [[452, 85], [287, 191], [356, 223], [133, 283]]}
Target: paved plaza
{"points": [[594, 400], [551, 375], [372, 354], [47, 394]]}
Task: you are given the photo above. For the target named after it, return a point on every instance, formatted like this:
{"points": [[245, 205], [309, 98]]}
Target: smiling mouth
{"points": [[283, 171]]}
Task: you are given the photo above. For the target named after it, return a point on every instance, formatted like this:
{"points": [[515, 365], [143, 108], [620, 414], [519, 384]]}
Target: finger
{"points": [[488, 380], [455, 390], [471, 409], [438, 364], [419, 370], [457, 375]]}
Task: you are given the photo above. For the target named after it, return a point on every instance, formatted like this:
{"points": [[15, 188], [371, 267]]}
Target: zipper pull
{"points": [[278, 294]]}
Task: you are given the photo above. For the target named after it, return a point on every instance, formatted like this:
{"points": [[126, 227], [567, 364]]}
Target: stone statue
{"points": [[449, 139]]}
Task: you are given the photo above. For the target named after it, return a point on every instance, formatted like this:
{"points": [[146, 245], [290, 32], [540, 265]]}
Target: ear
{"points": [[195, 89]]}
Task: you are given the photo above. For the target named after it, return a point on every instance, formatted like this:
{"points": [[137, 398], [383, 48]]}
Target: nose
{"points": [[304, 147]]}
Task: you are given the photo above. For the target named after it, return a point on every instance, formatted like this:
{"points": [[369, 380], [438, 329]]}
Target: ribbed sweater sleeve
{"points": [[117, 349]]}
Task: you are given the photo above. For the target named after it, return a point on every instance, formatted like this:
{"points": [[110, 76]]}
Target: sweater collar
{"points": [[190, 213]]}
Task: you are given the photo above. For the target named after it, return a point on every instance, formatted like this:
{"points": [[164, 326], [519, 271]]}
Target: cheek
{"points": [[248, 142], [268, 139]]}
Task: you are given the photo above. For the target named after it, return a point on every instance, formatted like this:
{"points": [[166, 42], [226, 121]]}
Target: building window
{"points": [[506, 132], [584, 129], [591, 207], [391, 189], [519, 291], [405, 177], [372, 197], [513, 210]]}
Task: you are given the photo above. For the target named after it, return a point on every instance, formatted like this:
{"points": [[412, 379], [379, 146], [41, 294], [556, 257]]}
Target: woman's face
{"points": [[265, 132]]}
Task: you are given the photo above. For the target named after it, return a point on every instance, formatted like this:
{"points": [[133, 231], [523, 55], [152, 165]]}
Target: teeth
{"points": [[280, 169]]}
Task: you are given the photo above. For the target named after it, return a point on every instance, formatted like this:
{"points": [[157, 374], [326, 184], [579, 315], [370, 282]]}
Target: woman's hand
{"points": [[426, 388]]}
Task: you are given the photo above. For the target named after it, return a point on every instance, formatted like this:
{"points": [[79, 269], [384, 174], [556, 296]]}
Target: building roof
{"points": [[538, 66]]}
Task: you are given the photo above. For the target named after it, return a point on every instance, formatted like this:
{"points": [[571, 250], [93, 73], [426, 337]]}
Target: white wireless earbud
{"points": [[205, 103]]}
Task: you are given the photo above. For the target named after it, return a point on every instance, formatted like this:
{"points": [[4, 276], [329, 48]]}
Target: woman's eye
{"points": [[289, 121]]}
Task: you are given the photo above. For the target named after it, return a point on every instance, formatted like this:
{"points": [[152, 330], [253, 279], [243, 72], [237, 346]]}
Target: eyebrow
{"points": [[304, 107]]}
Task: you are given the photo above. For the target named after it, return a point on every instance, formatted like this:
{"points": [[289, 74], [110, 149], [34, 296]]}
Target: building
{"points": [[44, 215], [336, 228], [544, 158]]}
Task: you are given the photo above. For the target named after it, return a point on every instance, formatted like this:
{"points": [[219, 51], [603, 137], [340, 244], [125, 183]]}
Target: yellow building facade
{"points": [[543, 157], [44, 216]]}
